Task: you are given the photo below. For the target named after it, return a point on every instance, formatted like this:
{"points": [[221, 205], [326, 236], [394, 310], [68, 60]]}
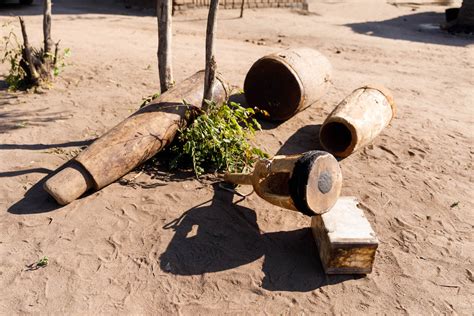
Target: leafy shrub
{"points": [[218, 140]]}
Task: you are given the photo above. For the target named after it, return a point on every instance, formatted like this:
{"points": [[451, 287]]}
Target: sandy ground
{"points": [[182, 246]]}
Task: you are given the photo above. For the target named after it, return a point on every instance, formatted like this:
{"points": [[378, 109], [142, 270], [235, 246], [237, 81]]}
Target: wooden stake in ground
{"points": [[48, 42], [163, 10], [211, 66], [242, 9]]}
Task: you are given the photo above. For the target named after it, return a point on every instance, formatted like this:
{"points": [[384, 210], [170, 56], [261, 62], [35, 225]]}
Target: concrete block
{"points": [[345, 239]]}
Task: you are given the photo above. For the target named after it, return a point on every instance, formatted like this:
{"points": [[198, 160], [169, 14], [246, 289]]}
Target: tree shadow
{"points": [[8, 174], [75, 7], [3, 85], [223, 235], [421, 27], [84, 7], [79, 143], [16, 118]]}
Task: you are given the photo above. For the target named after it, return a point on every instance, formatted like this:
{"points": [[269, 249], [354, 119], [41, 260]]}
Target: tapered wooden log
{"points": [[357, 120], [345, 239], [285, 83], [309, 183], [133, 141]]}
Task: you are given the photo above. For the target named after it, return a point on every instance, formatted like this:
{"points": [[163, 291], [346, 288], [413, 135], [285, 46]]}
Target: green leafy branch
{"points": [[218, 140]]}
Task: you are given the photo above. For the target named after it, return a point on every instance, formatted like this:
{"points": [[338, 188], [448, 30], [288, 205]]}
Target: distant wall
{"points": [[224, 4]]}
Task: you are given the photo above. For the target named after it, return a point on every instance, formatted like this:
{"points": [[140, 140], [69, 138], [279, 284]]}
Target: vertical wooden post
{"points": [[163, 11], [48, 42], [210, 74], [242, 9]]}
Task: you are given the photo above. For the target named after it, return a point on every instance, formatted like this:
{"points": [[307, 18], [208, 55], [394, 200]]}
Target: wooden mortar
{"points": [[357, 120], [287, 82], [309, 183]]}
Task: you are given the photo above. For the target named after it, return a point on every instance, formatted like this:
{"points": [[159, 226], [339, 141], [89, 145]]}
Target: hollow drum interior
{"points": [[272, 87]]}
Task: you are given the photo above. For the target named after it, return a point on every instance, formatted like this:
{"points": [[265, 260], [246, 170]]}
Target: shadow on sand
{"points": [[304, 139], [418, 27], [74, 7], [228, 236], [36, 199]]}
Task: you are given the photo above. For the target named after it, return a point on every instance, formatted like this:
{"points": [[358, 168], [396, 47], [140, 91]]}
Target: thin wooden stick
{"points": [[210, 74], [165, 69], [56, 51], [48, 42]]}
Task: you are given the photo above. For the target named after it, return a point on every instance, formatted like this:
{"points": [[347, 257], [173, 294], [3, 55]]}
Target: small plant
{"points": [[12, 56], [19, 75], [218, 140], [60, 63], [43, 262], [148, 99], [32, 67]]}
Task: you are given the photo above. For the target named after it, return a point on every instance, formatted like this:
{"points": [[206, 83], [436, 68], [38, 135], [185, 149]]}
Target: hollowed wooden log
{"points": [[285, 83], [357, 120]]}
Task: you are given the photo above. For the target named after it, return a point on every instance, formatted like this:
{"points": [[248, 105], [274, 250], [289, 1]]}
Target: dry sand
{"points": [[180, 246]]}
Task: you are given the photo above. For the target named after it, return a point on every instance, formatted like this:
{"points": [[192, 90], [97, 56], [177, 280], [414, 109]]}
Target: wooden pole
{"points": [[211, 66], [242, 9], [165, 69], [48, 42]]}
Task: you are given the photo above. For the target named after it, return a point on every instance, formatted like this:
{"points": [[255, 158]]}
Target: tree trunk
{"points": [[48, 43], [210, 74], [28, 59], [242, 9], [163, 10]]}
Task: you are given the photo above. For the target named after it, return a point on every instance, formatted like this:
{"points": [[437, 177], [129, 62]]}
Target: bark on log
{"points": [[211, 65], [48, 42], [165, 69], [357, 120], [133, 141]]}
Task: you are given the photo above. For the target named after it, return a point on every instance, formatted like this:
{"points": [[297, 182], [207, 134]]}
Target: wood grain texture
{"points": [[345, 239], [211, 64], [272, 180], [287, 82], [165, 68], [357, 120]]}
